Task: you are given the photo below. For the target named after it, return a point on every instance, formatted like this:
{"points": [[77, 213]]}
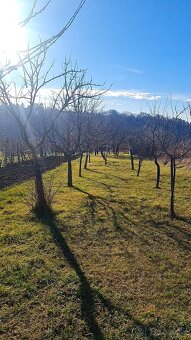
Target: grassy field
{"points": [[109, 265]]}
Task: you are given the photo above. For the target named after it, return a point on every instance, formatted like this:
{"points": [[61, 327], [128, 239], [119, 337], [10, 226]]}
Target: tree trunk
{"points": [[117, 151], [139, 167], [5, 161], [41, 204], [18, 153], [69, 159], [158, 173], [11, 170], [132, 160], [80, 165], [104, 156], [173, 178], [41, 152], [86, 161], [89, 157]]}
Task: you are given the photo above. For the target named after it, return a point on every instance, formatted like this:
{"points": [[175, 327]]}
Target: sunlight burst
{"points": [[12, 37]]}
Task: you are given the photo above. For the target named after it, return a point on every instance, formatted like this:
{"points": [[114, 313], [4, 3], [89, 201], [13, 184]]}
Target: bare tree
{"points": [[141, 147], [86, 110], [34, 76], [33, 51], [29, 67], [174, 136], [69, 135], [155, 151], [34, 12]]}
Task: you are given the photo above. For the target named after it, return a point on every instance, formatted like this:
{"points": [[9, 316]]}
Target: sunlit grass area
{"points": [[109, 265]]}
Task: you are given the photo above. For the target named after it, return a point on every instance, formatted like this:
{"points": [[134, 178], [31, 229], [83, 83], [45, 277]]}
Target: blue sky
{"points": [[142, 46]]}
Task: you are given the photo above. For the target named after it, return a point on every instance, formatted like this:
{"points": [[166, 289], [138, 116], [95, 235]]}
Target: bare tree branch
{"points": [[33, 13]]}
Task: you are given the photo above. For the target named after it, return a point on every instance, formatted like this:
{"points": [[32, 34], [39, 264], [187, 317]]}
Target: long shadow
{"points": [[86, 293], [98, 172], [106, 176], [136, 323], [181, 236], [104, 184], [94, 201], [171, 230], [183, 219], [91, 203]]}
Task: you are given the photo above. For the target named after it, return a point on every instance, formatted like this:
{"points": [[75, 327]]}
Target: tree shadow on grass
{"points": [[94, 201], [110, 176], [108, 187], [184, 219], [138, 326], [178, 234], [91, 203], [113, 214], [98, 172], [88, 295]]}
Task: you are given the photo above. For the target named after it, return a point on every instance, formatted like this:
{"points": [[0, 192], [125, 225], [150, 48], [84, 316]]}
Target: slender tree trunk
{"points": [[158, 173], [173, 178], [132, 160], [86, 161], [11, 169], [41, 204], [41, 152], [89, 157], [80, 165], [18, 153], [5, 160], [105, 158], [139, 167], [117, 151], [69, 159]]}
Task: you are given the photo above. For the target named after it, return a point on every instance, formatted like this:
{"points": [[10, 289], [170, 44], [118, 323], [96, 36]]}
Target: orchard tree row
{"points": [[85, 129]]}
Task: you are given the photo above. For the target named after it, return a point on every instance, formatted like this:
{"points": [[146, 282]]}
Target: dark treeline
{"points": [[121, 123]]}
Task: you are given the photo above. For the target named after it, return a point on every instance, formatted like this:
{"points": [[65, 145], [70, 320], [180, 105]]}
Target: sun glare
{"points": [[12, 37]]}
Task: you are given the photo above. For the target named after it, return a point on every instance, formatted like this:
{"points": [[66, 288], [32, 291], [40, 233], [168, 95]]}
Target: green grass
{"points": [[109, 265]]}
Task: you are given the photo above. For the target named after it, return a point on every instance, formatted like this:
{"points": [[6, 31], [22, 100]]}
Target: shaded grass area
{"points": [[109, 265]]}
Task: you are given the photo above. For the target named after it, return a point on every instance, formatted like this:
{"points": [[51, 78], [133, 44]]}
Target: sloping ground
{"points": [[110, 265]]}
